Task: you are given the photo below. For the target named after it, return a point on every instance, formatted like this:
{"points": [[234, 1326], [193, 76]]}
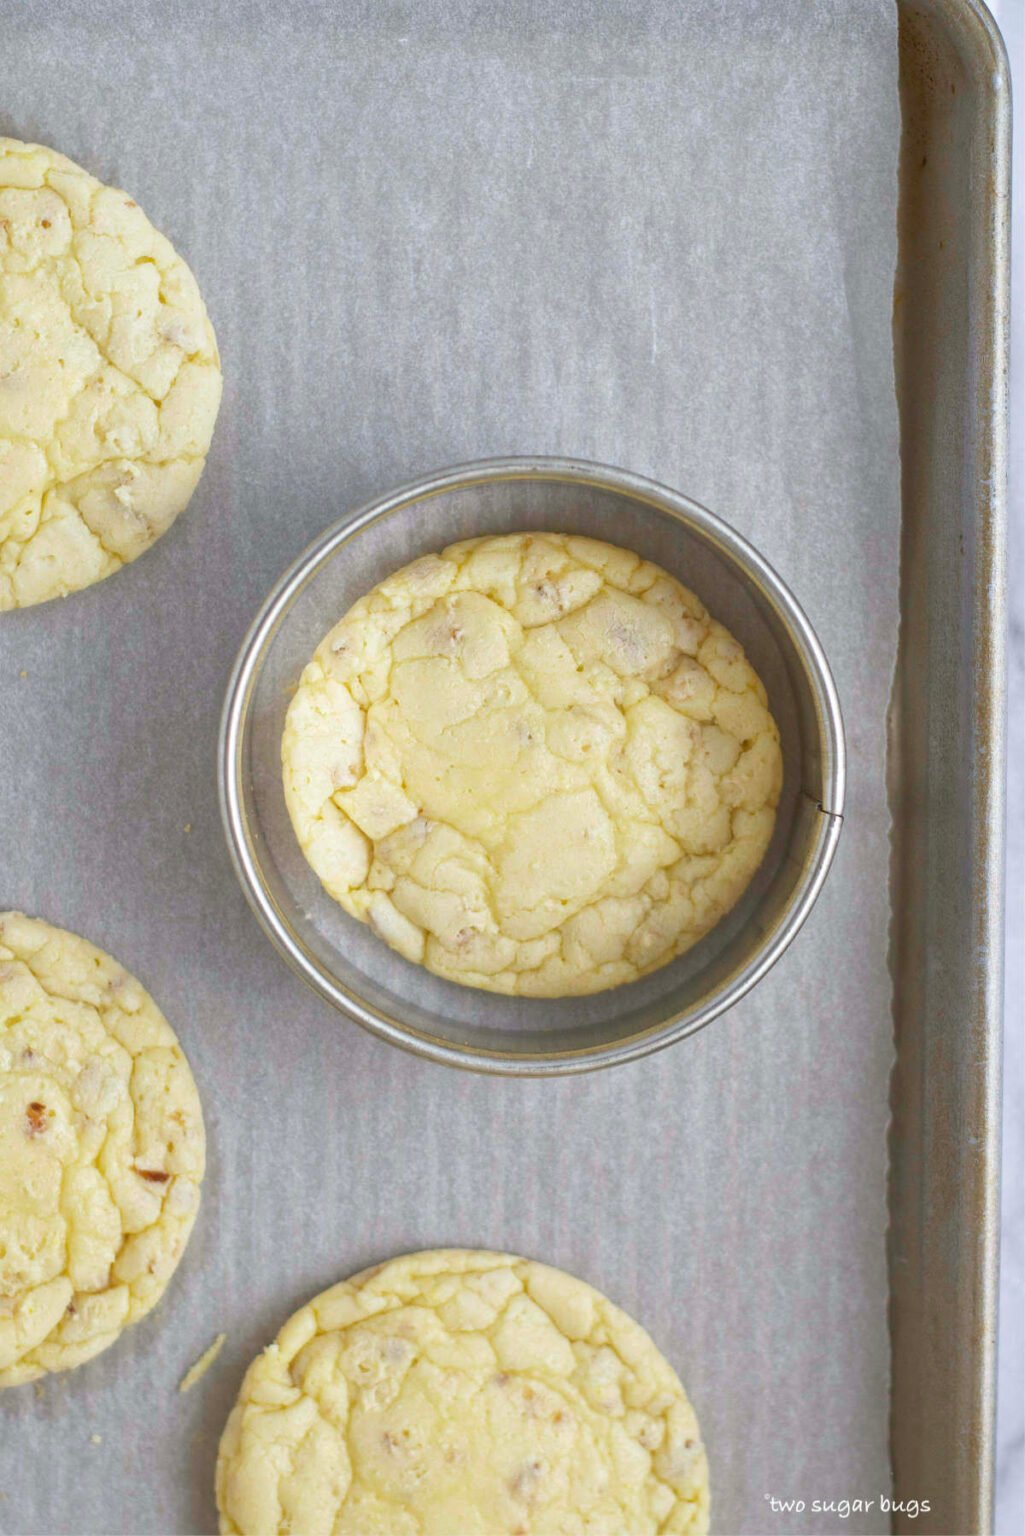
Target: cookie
{"points": [[533, 764], [459, 1392], [109, 378], [101, 1150]]}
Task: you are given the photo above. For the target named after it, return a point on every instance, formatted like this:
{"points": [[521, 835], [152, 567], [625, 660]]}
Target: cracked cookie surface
{"points": [[462, 1391], [109, 378], [101, 1150], [534, 764]]}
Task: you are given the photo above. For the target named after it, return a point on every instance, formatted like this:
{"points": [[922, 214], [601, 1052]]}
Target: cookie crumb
{"points": [[96, 1439], [187, 827], [203, 1364]]}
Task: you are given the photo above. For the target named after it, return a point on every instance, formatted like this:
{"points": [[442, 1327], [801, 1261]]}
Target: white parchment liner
{"points": [[656, 234]]}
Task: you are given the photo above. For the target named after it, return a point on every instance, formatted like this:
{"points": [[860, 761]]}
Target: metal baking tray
{"points": [[145, 903], [947, 757]]}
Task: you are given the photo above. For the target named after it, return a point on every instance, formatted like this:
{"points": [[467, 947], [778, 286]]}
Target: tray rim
{"points": [[971, 1185]]}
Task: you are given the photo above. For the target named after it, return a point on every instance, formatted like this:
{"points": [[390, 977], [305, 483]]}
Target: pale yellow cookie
{"points": [[101, 1150], [109, 378], [533, 764], [462, 1393]]}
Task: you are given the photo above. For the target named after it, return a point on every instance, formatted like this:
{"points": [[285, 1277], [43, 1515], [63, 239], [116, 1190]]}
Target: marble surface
{"points": [[1010, 1487]]}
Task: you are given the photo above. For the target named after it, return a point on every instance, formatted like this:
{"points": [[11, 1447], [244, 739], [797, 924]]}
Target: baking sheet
{"points": [[653, 234], [947, 755]]}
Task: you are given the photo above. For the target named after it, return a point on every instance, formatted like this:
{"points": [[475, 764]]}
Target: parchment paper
{"points": [[657, 234]]}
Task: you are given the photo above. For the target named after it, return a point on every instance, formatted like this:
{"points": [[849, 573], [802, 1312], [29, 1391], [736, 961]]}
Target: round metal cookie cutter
{"points": [[462, 1026]]}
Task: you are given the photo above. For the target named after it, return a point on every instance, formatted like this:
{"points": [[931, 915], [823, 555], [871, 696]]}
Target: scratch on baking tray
{"points": [[654, 323]]}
